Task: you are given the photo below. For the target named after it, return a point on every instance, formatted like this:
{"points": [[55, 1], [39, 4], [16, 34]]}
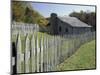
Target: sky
{"points": [[46, 9]]}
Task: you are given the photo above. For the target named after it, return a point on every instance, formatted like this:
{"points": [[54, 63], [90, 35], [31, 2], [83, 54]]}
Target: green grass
{"points": [[84, 58]]}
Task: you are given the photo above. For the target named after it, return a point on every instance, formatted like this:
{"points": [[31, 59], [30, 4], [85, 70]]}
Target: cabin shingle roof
{"points": [[74, 22]]}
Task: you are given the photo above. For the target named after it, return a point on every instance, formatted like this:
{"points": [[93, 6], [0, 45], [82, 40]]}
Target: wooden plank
{"points": [[42, 48], [19, 50], [33, 49], [38, 54], [27, 55]]}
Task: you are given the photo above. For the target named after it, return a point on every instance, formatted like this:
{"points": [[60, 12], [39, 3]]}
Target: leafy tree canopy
{"points": [[24, 12], [87, 17]]}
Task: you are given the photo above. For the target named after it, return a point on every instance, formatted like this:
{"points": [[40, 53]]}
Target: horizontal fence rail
{"points": [[39, 52]]}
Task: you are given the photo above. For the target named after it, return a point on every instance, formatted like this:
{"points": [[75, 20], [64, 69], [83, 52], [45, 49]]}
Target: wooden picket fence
{"points": [[20, 27], [42, 52]]}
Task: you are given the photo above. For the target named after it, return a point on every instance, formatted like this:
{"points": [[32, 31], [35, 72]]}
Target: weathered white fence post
{"points": [[38, 53], [27, 55], [68, 38], [57, 41], [33, 50], [47, 65], [59, 48], [19, 54], [52, 53], [55, 50], [44, 54], [42, 47]]}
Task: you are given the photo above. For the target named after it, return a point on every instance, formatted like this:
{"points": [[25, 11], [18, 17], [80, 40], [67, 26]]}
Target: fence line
{"points": [[20, 27], [42, 53]]}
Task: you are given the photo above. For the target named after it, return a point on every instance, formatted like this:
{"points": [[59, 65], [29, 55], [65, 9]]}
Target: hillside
{"points": [[84, 58], [24, 12]]}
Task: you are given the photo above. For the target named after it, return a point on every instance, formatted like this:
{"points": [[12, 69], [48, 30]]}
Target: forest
{"points": [[86, 16], [24, 12]]}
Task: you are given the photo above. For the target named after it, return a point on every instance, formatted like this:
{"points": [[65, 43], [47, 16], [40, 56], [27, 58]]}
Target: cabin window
{"points": [[66, 30], [59, 28]]}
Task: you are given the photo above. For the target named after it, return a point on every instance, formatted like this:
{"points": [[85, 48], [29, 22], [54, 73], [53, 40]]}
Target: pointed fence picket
{"points": [[27, 55], [19, 57], [33, 55]]}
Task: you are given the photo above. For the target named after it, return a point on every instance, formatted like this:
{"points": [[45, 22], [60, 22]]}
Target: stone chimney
{"points": [[53, 23]]}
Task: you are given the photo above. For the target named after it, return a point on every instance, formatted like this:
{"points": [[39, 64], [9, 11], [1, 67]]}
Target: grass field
{"points": [[84, 58]]}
